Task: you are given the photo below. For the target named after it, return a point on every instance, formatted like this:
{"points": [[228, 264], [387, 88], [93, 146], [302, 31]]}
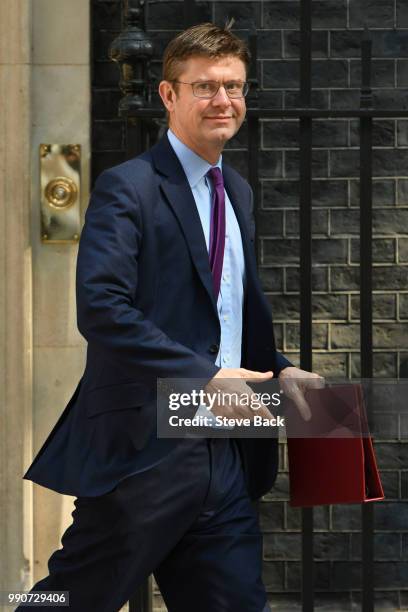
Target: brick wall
{"points": [[336, 78]]}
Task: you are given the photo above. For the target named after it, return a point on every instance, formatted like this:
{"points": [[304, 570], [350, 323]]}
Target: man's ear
{"points": [[167, 95]]}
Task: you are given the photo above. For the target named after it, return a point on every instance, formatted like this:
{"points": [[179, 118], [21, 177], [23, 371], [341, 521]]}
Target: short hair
{"points": [[202, 40]]}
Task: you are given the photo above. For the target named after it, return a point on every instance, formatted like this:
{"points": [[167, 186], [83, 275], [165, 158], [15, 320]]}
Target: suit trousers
{"points": [[188, 520]]}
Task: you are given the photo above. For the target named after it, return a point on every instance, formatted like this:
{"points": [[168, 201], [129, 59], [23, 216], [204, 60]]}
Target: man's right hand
{"points": [[234, 380]]}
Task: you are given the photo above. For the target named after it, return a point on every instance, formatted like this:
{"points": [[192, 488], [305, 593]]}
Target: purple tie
{"points": [[217, 228]]}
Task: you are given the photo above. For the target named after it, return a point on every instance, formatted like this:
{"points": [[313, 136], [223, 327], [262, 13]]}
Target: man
{"points": [[167, 288]]}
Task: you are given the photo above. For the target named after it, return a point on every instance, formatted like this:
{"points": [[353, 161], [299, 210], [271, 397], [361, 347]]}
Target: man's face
{"points": [[206, 122]]}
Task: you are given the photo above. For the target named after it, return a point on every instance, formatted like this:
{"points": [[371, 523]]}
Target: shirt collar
{"points": [[194, 166]]}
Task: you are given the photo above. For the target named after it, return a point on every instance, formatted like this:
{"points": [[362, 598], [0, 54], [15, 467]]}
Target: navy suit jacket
{"points": [[145, 305]]}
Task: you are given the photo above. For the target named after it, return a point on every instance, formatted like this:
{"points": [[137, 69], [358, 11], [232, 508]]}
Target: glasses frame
{"points": [[244, 83]]}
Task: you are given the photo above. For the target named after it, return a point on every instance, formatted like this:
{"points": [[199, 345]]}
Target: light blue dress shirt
{"points": [[231, 296]]}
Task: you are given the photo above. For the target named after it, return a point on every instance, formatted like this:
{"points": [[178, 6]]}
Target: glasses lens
{"points": [[205, 89], [236, 89]]}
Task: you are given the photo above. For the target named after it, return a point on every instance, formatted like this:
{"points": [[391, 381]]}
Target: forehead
{"points": [[208, 68]]}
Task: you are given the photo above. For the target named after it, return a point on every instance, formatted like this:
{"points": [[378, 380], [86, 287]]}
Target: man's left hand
{"points": [[295, 382]]}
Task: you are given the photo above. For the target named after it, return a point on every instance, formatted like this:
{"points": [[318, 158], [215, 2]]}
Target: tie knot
{"points": [[216, 176]]}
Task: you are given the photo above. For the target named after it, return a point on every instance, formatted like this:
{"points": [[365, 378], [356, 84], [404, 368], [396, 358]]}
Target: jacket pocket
{"points": [[116, 397]]}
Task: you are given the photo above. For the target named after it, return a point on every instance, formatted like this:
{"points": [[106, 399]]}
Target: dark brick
{"points": [[329, 73], [331, 546], [321, 518], [385, 427], [333, 133], [269, 44], [390, 479], [321, 575], [319, 163], [402, 73], [329, 14], [329, 193], [319, 336], [402, 192], [271, 516], [319, 99], [280, 134], [279, 74], [391, 99], [285, 307], [345, 98], [346, 575], [281, 14], [384, 306], [344, 222], [382, 74], [384, 365], [330, 365], [270, 164], [403, 306], [169, 15], [390, 277], [280, 489], [280, 251], [403, 250], [320, 280], [270, 223], [331, 250], [270, 99], [387, 546], [345, 163], [246, 14], [345, 43], [383, 133], [273, 575], [280, 194], [402, 133], [282, 546], [371, 13], [319, 222], [346, 518], [383, 250], [390, 574], [329, 307], [389, 162], [402, 14], [386, 43], [392, 456], [291, 44], [344, 278], [345, 336], [390, 335], [271, 278], [383, 193]]}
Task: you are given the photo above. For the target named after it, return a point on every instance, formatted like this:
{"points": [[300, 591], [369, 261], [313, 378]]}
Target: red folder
{"points": [[331, 457]]}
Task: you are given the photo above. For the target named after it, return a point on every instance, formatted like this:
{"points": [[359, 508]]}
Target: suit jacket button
{"points": [[214, 348]]}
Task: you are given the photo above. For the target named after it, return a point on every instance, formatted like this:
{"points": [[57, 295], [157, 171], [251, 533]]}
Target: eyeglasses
{"points": [[209, 89]]}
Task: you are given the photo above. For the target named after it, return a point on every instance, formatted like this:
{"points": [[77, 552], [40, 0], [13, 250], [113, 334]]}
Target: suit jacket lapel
{"points": [[177, 191], [240, 206], [178, 194]]}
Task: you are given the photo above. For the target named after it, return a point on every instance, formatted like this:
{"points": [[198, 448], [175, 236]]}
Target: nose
{"points": [[221, 97]]}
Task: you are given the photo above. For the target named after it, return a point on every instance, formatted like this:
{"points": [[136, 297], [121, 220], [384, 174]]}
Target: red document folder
{"points": [[331, 457]]}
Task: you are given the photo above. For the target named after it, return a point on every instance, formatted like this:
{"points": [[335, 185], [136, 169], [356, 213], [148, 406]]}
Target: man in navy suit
{"points": [[167, 287]]}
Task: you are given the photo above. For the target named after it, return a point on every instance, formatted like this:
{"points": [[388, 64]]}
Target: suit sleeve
{"points": [[280, 360], [106, 283]]}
